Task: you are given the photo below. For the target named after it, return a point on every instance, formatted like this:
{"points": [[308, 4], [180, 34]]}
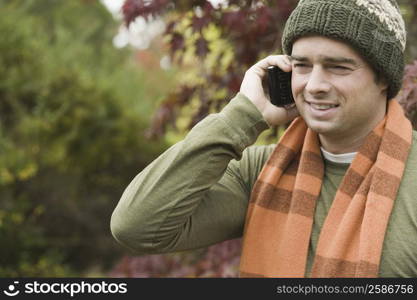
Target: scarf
{"points": [[282, 204]]}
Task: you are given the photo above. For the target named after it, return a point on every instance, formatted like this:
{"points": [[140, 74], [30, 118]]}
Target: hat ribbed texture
{"points": [[375, 28]]}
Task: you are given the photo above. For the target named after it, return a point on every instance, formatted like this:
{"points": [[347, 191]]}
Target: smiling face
{"points": [[335, 90]]}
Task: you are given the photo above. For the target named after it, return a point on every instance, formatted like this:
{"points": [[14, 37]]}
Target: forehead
{"points": [[313, 47]]}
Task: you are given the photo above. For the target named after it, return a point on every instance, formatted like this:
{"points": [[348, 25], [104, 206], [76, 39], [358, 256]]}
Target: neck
{"points": [[342, 143]]}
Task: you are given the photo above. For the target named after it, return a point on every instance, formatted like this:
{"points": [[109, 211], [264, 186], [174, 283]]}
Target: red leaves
{"points": [[408, 95], [143, 8], [220, 260], [250, 26], [167, 111], [137, 8], [131, 9], [285, 8], [264, 19], [199, 22], [235, 20], [201, 47], [176, 42]]}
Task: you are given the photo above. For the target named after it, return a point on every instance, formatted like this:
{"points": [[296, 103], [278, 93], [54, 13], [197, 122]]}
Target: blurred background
{"points": [[92, 91]]}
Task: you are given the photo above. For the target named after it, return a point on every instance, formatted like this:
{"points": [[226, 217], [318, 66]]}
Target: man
{"points": [[335, 197]]}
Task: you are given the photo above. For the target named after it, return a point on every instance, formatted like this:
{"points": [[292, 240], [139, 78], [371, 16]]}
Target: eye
{"points": [[340, 68], [301, 65]]}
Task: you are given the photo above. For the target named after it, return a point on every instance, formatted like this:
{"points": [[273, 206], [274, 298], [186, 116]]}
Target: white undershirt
{"points": [[345, 158]]}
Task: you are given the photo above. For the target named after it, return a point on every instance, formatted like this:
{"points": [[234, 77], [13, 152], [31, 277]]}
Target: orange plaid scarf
{"points": [[281, 209]]}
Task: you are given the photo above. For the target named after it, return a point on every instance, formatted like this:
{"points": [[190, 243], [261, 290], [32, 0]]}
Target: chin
{"points": [[320, 127]]}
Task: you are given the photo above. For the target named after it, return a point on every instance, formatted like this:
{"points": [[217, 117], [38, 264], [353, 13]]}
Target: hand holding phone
{"points": [[279, 86], [254, 87]]}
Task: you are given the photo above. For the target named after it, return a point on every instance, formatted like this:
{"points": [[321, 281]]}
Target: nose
{"points": [[317, 83]]}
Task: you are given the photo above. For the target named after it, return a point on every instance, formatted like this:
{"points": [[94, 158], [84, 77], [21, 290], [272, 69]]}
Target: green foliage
{"points": [[73, 110]]}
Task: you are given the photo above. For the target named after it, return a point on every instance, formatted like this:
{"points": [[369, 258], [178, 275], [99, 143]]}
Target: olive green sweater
{"points": [[196, 193]]}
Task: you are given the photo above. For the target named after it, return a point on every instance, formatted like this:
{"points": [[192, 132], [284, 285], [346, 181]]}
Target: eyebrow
{"points": [[327, 59]]}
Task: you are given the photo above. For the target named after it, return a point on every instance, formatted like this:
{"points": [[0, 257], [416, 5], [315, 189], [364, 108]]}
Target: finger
{"points": [[281, 61]]}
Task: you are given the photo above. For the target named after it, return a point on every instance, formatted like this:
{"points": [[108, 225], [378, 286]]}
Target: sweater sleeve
{"points": [[192, 195]]}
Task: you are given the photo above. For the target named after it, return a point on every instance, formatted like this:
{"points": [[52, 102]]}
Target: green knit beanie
{"points": [[375, 28]]}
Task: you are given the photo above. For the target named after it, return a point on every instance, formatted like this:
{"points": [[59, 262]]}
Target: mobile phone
{"points": [[279, 86]]}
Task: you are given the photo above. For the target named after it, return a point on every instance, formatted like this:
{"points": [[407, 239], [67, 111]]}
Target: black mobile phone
{"points": [[279, 85]]}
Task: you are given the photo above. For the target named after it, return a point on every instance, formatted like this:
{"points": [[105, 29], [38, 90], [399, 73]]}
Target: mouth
{"points": [[322, 106], [321, 110]]}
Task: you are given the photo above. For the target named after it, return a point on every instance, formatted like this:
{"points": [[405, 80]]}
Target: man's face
{"points": [[334, 88]]}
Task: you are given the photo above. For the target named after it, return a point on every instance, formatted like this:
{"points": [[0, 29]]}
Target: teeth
{"points": [[322, 106]]}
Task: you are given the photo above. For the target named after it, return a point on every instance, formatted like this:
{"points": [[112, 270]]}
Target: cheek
{"points": [[297, 86], [357, 95]]}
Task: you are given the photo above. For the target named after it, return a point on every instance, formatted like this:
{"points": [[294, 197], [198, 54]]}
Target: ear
{"points": [[384, 89], [382, 86]]}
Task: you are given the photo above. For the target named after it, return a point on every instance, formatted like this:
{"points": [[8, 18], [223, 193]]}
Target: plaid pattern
{"points": [[281, 209]]}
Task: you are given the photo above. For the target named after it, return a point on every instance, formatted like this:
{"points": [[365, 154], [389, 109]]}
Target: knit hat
{"points": [[375, 28]]}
